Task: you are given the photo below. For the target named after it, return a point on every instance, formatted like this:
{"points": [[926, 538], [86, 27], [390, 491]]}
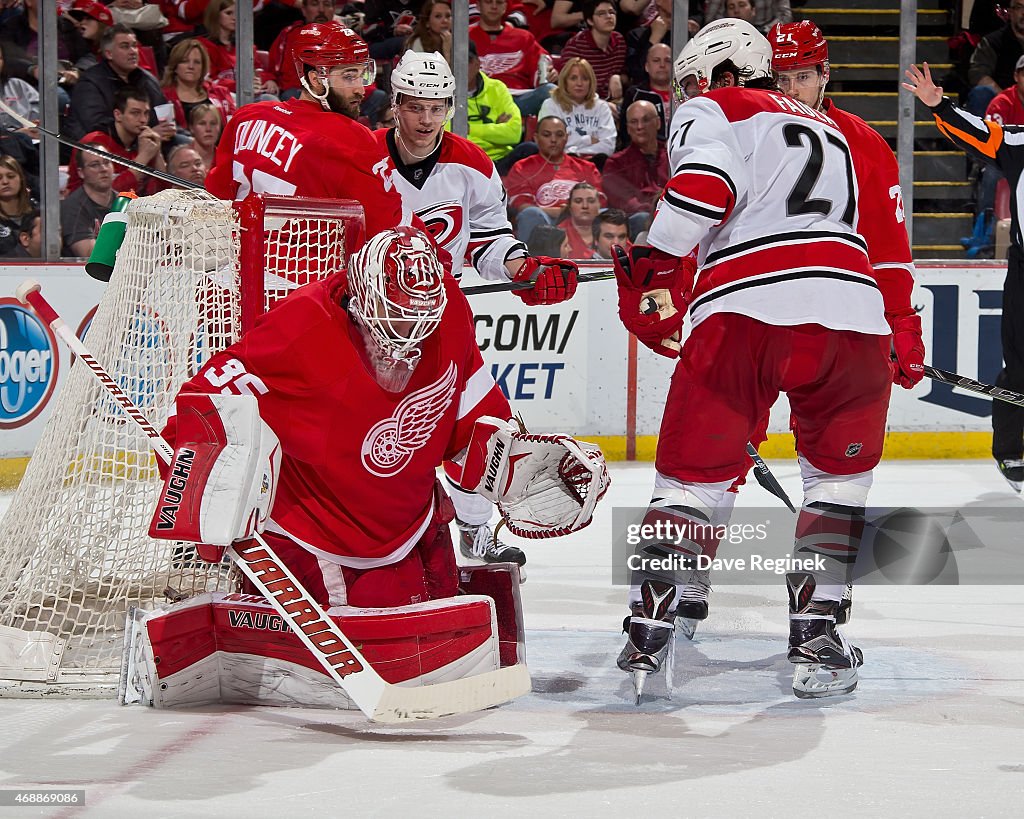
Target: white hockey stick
{"points": [[378, 699]]}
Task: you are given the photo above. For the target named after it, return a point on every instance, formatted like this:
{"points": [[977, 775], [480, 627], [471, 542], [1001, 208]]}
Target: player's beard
{"points": [[339, 105]]}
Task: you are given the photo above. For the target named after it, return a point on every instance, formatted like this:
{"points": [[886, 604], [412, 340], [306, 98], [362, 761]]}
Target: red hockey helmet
{"points": [[325, 45], [798, 45]]}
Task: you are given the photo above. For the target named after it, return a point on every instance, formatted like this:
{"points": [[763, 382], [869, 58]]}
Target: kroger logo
{"points": [[28, 364]]}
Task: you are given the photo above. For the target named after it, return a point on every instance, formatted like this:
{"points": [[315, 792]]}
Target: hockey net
{"points": [[192, 274]]}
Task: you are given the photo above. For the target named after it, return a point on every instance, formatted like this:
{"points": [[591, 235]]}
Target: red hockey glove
{"points": [[908, 350], [554, 280], [648, 273]]}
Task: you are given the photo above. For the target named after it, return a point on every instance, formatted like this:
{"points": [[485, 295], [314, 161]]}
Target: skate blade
{"points": [[639, 679], [816, 681], [687, 626]]}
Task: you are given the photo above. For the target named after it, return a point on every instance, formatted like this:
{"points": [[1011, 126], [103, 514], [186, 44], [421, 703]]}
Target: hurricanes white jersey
{"points": [[765, 187], [459, 196]]}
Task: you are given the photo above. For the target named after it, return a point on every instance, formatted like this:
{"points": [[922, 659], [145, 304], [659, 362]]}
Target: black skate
{"points": [[1013, 471], [693, 603], [825, 661], [650, 631], [478, 542]]}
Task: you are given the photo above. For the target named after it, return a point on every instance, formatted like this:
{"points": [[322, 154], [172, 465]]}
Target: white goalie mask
{"points": [[734, 40], [396, 285]]}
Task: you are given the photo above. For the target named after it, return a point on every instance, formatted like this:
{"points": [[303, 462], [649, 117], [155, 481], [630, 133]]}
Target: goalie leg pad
{"points": [[500, 582], [221, 482], [220, 648]]}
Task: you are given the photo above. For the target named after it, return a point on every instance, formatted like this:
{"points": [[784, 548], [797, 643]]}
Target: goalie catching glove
{"points": [[221, 482], [554, 280], [646, 275], [544, 485]]}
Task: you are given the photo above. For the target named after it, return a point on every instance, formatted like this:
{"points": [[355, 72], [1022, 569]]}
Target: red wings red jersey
{"points": [[358, 465], [535, 181], [1007, 108], [766, 187], [512, 56], [298, 148], [882, 221]]}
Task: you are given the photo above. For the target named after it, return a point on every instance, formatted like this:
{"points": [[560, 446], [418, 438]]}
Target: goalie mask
{"points": [[397, 297], [732, 40]]}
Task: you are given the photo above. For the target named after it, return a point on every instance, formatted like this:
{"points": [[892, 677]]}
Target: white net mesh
{"points": [[74, 554]]}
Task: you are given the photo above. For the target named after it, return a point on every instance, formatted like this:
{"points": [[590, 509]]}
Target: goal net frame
{"points": [[192, 275]]}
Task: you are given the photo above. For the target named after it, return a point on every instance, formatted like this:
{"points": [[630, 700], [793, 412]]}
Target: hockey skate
{"points": [[825, 661], [650, 630], [1013, 471], [693, 603], [478, 542]]}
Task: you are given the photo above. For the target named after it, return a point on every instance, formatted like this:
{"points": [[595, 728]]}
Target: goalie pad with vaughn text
{"points": [[221, 482]]}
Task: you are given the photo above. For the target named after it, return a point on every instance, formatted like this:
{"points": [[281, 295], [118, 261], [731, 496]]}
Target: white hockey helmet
{"points": [[731, 39], [424, 76], [396, 284]]}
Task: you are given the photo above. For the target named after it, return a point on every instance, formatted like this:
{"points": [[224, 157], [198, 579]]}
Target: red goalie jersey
{"points": [[358, 466], [296, 147]]}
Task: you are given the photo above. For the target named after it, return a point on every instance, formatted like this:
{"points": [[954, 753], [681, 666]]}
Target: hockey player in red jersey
{"points": [[323, 427], [452, 185], [786, 300], [312, 145]]}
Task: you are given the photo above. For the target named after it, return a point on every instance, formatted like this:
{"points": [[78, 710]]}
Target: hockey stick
{"points": [[501, 287], [93, 149], [992, 391], [376, 698]]}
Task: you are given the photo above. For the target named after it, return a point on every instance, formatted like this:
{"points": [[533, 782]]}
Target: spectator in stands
{"points": [[763, 14], [30, 237], [383, 115], [20, 36], [19, 146], [656, 89], [185, 83], [131, 137], [92, 103], [513, 56], [387, 24], [16, 203], [657, 30], [19, 95], [578, 222], [91, 19], [82, 211], [206, 125], [219, 21], [635, 176], [539, 186], [495, 123], [611, 227], [589, 119], [184, 162], [282, 66], [433, 31], [993, 61], [602, 46], [567, 17]]}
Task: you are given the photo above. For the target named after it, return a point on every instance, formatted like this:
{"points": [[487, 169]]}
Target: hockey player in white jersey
{"points": [[785, 301], [452, 185]]}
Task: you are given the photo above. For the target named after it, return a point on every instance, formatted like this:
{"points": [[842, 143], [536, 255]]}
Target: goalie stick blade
{"points": [[404, 704]]}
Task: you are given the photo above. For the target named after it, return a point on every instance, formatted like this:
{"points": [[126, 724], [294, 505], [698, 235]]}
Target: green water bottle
{"points": [[109, 239]]}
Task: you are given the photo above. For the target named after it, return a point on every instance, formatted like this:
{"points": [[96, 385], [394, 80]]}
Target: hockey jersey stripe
{"points": [[677, 202], [699, 168], [783, 276], [489, 234], [478, 386], [784, 239]]}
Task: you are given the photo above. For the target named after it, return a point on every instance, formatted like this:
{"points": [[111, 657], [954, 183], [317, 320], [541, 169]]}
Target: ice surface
{"points": [[936, 727]]}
